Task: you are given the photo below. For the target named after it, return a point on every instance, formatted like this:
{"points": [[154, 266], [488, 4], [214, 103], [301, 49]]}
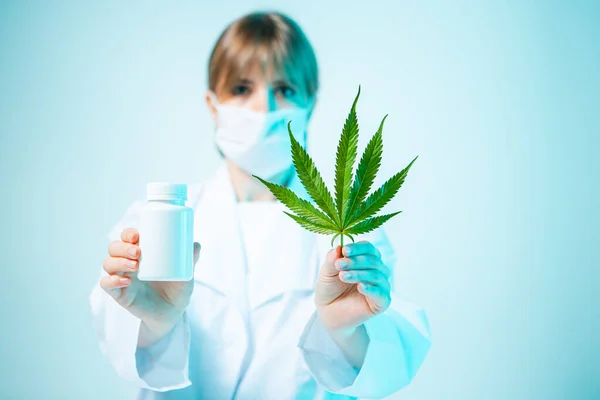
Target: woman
{"points": [[269, 313]]}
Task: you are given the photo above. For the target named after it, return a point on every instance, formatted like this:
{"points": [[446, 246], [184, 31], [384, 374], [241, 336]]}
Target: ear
{"points": [[211, 107]]}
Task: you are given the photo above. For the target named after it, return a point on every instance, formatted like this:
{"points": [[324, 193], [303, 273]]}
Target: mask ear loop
{"points": [[310, 108], [213, 99], [215, 103]]}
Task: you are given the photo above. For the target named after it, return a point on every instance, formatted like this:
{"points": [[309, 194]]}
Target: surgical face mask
{"points": [[258, 142]]}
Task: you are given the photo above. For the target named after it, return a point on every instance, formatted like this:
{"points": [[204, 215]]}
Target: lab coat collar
{"points": [[222, 263]]}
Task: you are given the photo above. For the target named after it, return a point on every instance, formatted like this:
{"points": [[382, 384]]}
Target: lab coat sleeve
{"points": [[399, 340], [160, 367]]}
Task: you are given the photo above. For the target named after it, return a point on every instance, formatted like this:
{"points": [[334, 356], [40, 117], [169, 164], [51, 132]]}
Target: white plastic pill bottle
{"points": [[166, 228]]}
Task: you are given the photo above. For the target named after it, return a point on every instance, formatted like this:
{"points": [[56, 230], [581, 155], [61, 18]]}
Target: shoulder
{"points": [[195, 192]]}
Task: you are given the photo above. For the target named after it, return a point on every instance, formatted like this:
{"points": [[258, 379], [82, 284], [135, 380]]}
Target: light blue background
{"points": [[499, 238]]}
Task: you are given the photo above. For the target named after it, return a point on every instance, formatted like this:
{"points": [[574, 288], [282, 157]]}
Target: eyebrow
{"points": [[285, 81], [245, 81], [280, 81]]}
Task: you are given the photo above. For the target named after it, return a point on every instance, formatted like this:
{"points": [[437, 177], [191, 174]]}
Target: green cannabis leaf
{"points": [[353, 209]]}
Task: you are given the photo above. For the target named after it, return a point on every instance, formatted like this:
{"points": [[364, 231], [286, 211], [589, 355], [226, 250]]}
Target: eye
{"points": [[240, 90], [286, 91]]}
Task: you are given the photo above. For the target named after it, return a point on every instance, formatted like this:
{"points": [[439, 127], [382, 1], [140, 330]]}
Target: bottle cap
{"points": [[166, 191]]}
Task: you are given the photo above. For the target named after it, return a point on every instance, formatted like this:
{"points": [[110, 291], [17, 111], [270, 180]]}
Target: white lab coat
{"points": [[255, 334]]}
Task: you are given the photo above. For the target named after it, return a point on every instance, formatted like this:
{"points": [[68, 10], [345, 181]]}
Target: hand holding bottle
{"points": [[159, 305]]}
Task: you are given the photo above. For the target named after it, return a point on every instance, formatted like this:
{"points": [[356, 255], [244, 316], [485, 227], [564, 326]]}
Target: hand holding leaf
{"points": [[353, 283]]}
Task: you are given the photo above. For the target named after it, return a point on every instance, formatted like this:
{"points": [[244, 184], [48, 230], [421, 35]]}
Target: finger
{"points": [[363, 262], [112, 282], [112, 265], [130, 235], [362, 247], [196, 252], [369, 276], [121, 249], [380, 296], [329, 267]]}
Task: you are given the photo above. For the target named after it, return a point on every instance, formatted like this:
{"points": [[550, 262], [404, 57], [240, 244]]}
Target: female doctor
{"points": [[272, 312]]}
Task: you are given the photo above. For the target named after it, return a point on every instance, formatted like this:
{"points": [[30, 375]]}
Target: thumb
{"points": [[328, 269], [196, 252]]}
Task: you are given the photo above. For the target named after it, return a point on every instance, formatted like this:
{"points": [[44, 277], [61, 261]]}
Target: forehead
{"points": [[268, 72]]}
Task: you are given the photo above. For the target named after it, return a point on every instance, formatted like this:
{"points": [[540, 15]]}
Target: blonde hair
{"points": [[273, 40]]}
